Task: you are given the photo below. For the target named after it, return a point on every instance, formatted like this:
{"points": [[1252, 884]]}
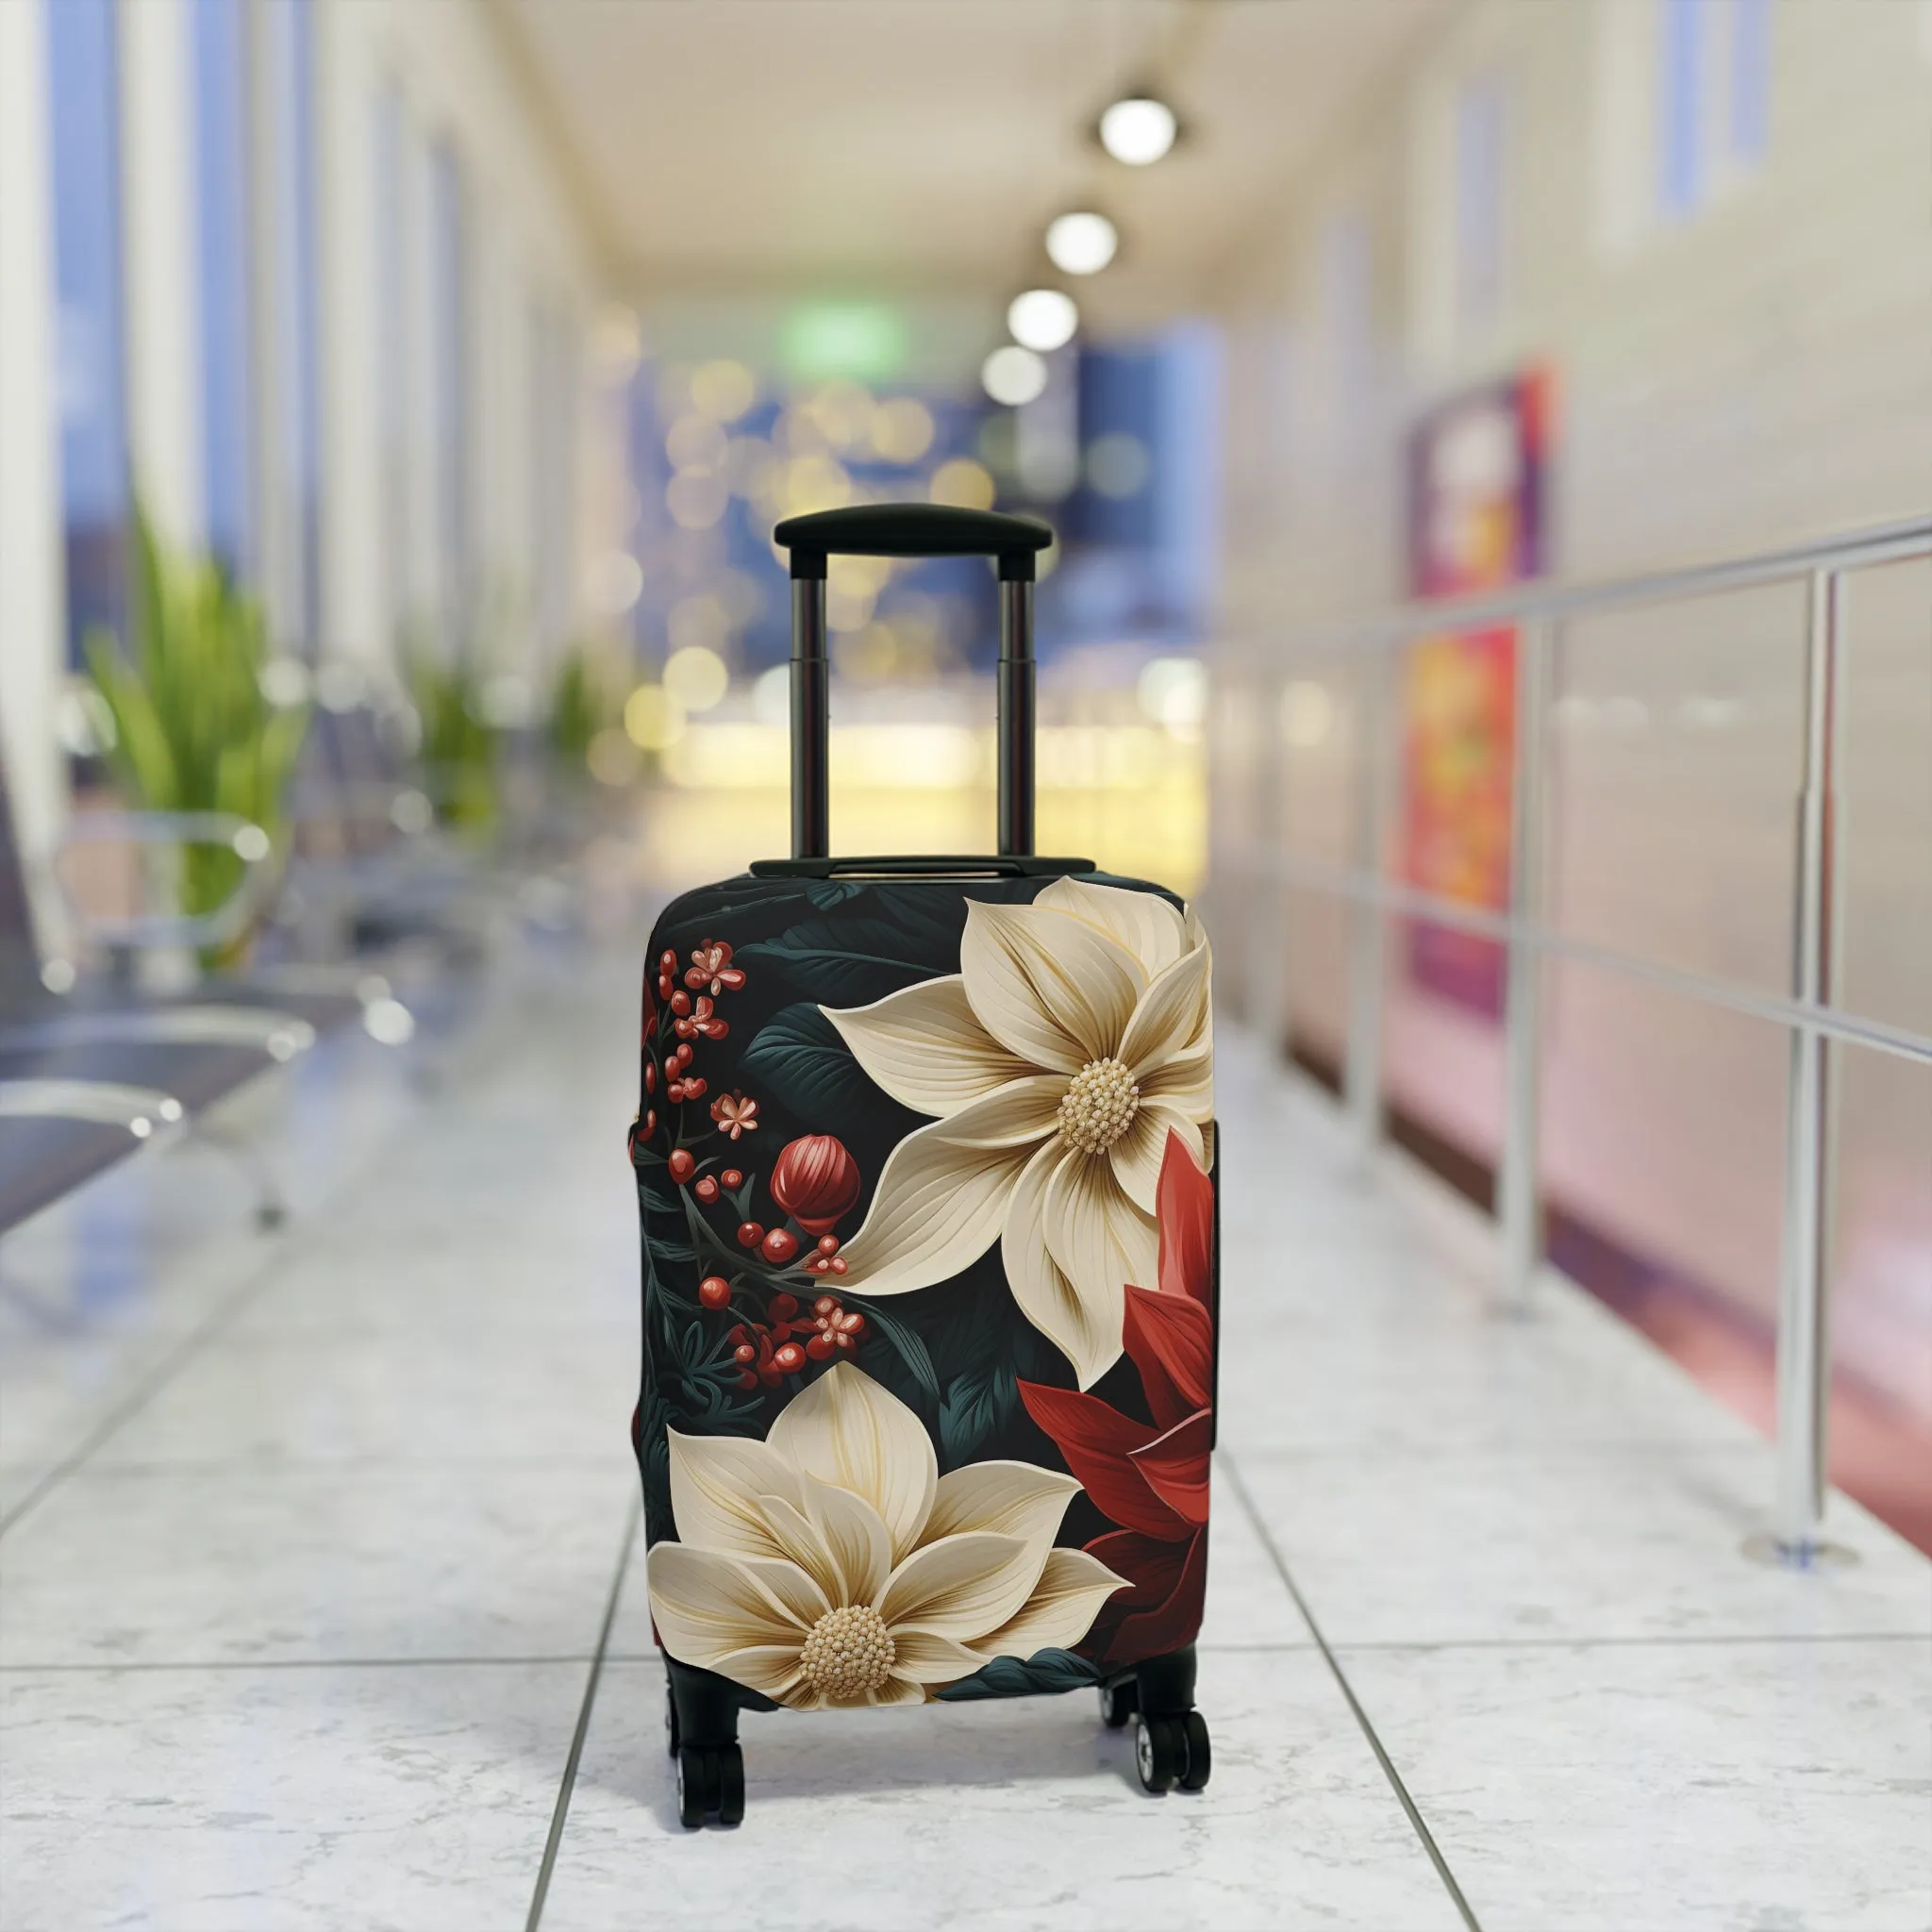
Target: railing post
{"points": [[1804, 1350], [1368, 922], [1518, 1205]]}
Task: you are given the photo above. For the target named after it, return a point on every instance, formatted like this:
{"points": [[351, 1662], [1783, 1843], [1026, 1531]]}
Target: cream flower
{"points": [[832, 1564], [1075, 1038]]}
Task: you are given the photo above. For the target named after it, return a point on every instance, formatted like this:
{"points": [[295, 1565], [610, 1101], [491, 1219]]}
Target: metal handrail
{"points": [[1815, 1022]]}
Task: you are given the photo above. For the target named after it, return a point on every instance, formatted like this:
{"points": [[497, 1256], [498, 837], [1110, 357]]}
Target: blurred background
{"points": [[399, 398]]}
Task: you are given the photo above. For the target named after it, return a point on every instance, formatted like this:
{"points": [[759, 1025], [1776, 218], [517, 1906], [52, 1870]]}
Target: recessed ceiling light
{"points": [[1042, 319], [1013, 376], [1138, 131], [1081, 243]]}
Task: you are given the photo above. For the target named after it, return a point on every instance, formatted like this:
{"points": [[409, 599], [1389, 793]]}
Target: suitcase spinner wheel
{"points": [[925, 1170]]}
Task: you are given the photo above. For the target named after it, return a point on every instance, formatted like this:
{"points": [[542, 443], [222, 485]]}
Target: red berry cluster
{"points": [[679, 1085], [828, 1260], [791, 1336], [778, 1247]]}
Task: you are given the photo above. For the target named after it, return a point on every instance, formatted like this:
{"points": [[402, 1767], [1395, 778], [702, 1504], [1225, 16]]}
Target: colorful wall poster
{"points": [[1476, 522]]}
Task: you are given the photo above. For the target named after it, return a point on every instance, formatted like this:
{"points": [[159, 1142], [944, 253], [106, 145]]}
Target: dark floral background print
{"points": [[757, 1145]]}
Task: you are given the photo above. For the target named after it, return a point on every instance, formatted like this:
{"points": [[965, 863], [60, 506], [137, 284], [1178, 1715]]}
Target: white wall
{"points": [[1757, 372]]}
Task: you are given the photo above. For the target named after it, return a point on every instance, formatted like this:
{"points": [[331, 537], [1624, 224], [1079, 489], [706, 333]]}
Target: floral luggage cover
{"points": [[925, 1169]]}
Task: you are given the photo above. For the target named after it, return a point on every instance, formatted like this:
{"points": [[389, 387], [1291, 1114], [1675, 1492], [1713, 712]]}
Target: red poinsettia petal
{"points": [[1098, 1441], [1172, 1623], [1171, 1340], [1183, 1206], [1174, 1466]]}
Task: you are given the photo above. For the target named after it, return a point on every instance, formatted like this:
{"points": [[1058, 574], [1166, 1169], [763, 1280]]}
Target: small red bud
{"points": [[684, 1053], [837, 1264], [744, 1353], [714, 1290], [732, 1179], [650, 1076], [750, 1233], [650, 1122], [779, 1246], [852, 1324], [667, 960], [828, 1244], [825, 1305], [682, 1164], [680, 1002], [707, 1188], [783, 1306], [821, 1348], [663, 986], [789, 1358]]}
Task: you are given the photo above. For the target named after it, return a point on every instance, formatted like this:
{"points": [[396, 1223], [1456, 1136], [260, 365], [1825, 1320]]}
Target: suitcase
{"points": [[924, 1161]]}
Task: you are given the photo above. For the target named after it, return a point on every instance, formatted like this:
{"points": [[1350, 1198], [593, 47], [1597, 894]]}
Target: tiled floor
{"points": [[320, 1605]]}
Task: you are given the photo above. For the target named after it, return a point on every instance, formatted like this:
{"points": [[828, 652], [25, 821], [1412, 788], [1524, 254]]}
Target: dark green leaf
{"points": [[1045, 1674], [906, 1344], [977, 1407], [801, 1062], [853, 961]]}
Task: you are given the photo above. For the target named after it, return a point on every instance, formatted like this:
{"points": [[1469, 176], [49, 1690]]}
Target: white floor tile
{"points": [[413, 1799], [1481, 1546], [560, 1392], [315, 1563], [1012, 1815], [1677, 1787]]}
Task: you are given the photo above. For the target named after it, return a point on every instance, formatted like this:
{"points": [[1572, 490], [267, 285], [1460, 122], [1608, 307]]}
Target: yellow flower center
{"points": [[1099, 1105], [847, 1653]]}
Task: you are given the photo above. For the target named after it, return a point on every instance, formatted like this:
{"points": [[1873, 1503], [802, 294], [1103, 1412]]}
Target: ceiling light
{"points": [[1042, 319], [1013, 374], [1138, 131], [1081, 243]]}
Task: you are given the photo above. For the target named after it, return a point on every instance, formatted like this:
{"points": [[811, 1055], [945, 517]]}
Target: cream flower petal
{"points": [[772, 1668], [1144, 923], [1081, 1319], [1052, 989], [1015, 1115], [1061, 1609], [1136, 1157], [924, 1657], [1184, 1079], [961, 1586], [848, 1431], [1097, 1236], [938, 1208], [926, 1048], [896, 1690], [707, 1606], [854, 1536], [1013, 1498], [715, 1483], [1172, 1016]]}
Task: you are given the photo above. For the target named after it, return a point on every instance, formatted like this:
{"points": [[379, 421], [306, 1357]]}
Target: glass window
{"points": [[392, 344], [84, 99], [296, 389], [448, 253], [1750, 116], [220, 78], [1681, 106], [1480, 135]]}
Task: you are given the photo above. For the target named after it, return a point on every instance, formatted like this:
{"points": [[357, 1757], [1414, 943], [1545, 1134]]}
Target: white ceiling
{"points": [[786, 148]]}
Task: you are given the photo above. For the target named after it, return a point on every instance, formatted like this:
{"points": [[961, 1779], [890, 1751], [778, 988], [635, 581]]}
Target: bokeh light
{"points": [[653, 718], [696, 678], [1044, 319], [1082, 243], [696, 499], [1117, 465], [962, 483], [1012, 375], [696, 441], [902, 430], [1174, 691], [614, 582], [1138, 131], [724, 389]]}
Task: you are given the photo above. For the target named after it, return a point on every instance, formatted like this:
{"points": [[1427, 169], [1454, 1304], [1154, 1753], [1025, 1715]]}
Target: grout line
{"points": [[148, 1387], [1361, 1717], [568, 1788]]}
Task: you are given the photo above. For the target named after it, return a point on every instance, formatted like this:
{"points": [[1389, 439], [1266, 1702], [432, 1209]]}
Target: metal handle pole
{"points": [[1803, 1352], [1517, 1203], [811, 810], [1016, 721], [1368, 935]]}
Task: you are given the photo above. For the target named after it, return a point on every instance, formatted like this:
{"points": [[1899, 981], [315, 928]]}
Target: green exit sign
{"points": [[865, 341]]}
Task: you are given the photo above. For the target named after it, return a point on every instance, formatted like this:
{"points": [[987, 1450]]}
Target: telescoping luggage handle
{"points": [[910, 529]]}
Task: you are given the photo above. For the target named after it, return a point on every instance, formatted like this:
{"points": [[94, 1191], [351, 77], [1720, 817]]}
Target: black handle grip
{"points": [[912, 530]]}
